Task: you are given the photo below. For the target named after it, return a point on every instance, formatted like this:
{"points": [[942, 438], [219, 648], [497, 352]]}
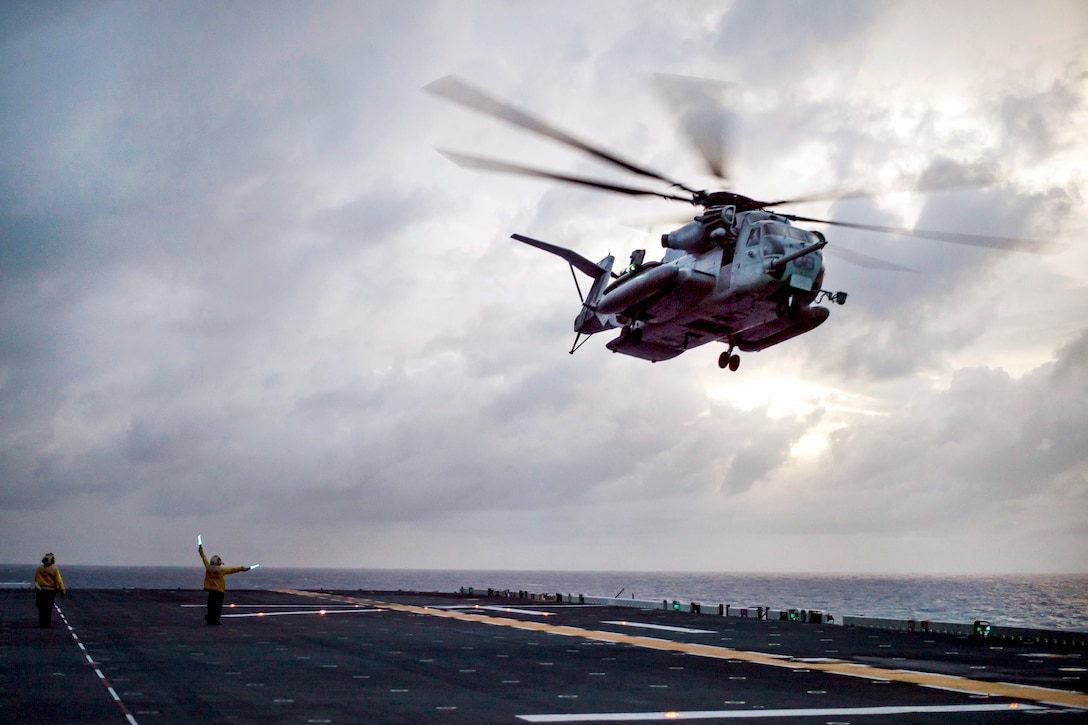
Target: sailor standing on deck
{"points": [[47, 584], [215, 584]]}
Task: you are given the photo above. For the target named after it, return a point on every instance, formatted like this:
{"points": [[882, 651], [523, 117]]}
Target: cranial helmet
{"points": [[217, 561], [48, 559]]}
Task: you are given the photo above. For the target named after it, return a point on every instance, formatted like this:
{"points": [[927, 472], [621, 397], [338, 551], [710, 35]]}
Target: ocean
{"points": [[1058, 601]]}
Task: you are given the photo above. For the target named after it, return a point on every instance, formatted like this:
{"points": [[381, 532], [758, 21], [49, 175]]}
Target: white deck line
{"points": [[663, 627], [271, 606], [754, 714], [321, 612]]}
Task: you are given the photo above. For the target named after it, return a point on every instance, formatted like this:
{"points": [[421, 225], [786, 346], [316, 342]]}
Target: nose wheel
{"points": [[728, 360]]}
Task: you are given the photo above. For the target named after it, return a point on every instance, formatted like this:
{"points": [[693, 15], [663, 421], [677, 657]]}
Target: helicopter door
{"points": [[747, 269]]}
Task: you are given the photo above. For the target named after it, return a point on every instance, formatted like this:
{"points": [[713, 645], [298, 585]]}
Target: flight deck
{"points": [[146, 656]]}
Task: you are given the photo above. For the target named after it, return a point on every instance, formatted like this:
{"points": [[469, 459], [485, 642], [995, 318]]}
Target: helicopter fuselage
{"points": [[750, 287]]}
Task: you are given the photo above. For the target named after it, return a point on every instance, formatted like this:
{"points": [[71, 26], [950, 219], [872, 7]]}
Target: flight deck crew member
{"points": [[215, 584], [47, 584]]}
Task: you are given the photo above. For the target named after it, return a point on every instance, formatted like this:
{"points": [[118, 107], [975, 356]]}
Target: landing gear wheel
{"points": [[636, 336], [728, 360]]}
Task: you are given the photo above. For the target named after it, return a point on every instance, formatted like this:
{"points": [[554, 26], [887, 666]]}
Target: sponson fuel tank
{"points": [[772, 333], [643, 287]]}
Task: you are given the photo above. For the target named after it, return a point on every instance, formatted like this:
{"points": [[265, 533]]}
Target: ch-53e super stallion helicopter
{"points": [[739, 273]]}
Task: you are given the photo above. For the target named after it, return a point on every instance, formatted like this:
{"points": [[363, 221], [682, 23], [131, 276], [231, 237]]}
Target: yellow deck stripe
{"points": [[963, 684]]}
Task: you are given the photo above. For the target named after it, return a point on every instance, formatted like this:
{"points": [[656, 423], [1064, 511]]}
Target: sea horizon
{"points": [[1043, 601]]}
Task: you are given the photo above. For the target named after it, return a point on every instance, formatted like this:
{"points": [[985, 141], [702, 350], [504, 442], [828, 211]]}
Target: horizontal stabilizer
{"points": [[576, 260], [652, 351]]}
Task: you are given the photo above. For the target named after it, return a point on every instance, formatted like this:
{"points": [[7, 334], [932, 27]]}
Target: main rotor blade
{"points": [[1008, 244], [478, 162], [454, 89], [698, 104], [865, 260], [938, 177], [828, 195]]}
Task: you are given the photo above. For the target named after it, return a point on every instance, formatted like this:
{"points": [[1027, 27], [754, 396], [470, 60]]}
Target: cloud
{"points": [[1035, 122], [960, 453], [240, 291]]}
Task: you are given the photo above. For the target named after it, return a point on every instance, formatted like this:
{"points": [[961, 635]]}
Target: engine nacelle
{"points": [[691, 237], [707, 231]]}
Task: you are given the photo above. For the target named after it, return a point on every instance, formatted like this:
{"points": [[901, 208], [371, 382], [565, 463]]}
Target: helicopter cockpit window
{"points": [[754, 235], [784, 230], [772, 246], [775, 229], [799, 234]]}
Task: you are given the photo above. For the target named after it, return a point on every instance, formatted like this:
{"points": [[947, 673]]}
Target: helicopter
{"points": [[740, 273]]}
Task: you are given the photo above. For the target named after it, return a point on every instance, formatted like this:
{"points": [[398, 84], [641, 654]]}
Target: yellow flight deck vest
{"points": [[48, 578], [214, 576]]}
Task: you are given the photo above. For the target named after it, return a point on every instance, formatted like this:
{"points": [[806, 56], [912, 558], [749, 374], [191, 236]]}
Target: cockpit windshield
{"points": [[784, 230], [769, 235]]}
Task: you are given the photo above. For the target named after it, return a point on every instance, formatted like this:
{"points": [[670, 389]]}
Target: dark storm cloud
{"points": [[523, 445], [240, 289], [963, 452], [144, 166], [533, 448]]}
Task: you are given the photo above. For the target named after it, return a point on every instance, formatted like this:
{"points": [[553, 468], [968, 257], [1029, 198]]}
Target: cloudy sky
{"points": [[242, 295]]}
